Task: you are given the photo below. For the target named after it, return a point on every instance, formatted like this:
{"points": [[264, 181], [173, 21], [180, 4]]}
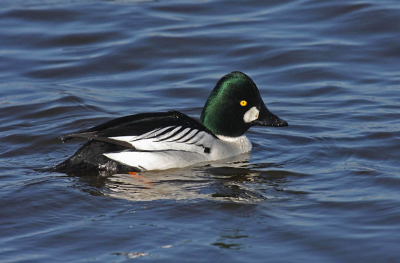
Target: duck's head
{"points": [[234, 105]]}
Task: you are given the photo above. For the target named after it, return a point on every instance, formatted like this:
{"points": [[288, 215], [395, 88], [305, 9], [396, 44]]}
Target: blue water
{"points": [[324, 189]]}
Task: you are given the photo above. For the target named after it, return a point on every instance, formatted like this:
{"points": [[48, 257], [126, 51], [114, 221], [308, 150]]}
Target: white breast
{"points": [[227, 147]]}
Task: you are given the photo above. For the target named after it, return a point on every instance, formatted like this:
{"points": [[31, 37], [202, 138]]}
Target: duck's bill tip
{"points": [[267, 118], [280, 123], [275, 122]]}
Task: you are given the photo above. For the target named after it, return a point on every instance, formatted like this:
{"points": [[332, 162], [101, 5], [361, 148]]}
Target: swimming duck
{"points": [[164, 140]]}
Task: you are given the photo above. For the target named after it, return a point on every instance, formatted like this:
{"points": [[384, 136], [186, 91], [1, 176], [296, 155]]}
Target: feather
{"points": [[152, 132]]}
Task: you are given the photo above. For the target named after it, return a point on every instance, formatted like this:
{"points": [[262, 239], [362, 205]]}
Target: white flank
{"points": [[153, 153], [251, 115], [157, 160]]}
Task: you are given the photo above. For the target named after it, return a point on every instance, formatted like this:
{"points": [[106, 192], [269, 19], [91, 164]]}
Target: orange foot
{"points": [[138, 176]]}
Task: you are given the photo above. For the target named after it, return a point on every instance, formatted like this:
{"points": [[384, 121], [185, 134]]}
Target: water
{"points": [[326, 188]]}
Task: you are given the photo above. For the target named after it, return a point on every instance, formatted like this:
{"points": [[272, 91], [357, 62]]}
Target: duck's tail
{"points": [[90, 159]]}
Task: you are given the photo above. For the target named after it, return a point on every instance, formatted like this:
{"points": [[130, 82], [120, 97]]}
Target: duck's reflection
{"points": [[235, 180]]}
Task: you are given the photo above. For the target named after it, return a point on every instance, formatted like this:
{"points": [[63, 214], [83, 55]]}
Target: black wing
{"points": [[136, 125]]}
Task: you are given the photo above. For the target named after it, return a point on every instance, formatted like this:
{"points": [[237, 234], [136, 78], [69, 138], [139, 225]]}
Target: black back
{"points": [[134, 125]]}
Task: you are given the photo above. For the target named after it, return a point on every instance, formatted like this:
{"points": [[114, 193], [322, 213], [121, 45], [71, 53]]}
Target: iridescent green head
{"points": [[234, 105]]}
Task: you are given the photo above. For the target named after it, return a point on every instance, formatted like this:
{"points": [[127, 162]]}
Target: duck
{"points": [[167, 140]]}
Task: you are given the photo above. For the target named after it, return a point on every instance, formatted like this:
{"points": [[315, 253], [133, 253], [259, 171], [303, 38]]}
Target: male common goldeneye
{"points": [[164, 140]]}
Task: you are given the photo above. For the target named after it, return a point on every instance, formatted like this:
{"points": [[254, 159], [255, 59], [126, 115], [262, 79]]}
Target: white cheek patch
{"points": [[251, 115]]}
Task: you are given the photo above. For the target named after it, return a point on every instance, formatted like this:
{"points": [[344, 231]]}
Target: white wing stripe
{"points": [[145, 135], [171, 133], [188, 136], [161, 131], [178, 136], [152, 133], [196, 138]]}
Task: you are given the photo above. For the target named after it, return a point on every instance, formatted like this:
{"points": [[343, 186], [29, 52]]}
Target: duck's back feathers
{"points": [[139, 124], [151, 131], [150, 134]]}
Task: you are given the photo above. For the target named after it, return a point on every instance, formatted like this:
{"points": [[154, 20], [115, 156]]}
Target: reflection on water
{"points": [[234, 180]]}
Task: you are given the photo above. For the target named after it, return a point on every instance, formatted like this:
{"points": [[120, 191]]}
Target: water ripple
{"points": [[323, 189]]}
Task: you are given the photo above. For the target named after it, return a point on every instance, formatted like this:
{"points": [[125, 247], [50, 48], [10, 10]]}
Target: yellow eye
{"points": [[243, 103]]}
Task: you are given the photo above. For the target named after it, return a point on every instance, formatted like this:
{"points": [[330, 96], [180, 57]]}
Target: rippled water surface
{"points": [[324, 189]]}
